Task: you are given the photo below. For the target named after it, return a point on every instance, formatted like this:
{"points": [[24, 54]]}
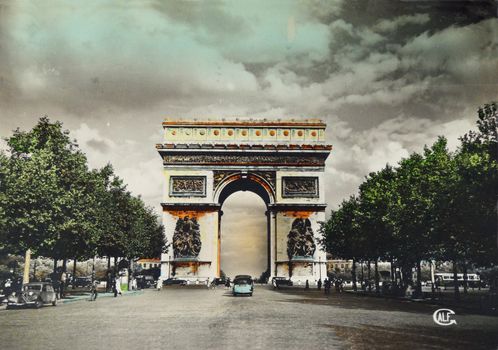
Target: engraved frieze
{"points": [[188, 186], [231, 159], [306, 187]]}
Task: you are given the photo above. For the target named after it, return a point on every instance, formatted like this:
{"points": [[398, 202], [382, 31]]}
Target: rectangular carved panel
{"points": [[187, 186], [300, 186], [245, 160]]}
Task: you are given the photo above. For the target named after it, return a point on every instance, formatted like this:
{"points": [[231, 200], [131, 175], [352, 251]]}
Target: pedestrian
{"points": [[227, 283], [117, 287], [55, 284], [93, 294], [307, 285], [159, 284], [62, 283], [326, 285], [207, 283], [319, 284], [109, 287]]}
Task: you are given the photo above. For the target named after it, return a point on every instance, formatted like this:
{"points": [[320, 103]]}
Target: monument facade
{"points": [[206, 161]]}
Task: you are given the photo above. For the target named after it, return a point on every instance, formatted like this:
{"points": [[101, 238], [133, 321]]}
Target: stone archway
{"points": [[206, 161]]}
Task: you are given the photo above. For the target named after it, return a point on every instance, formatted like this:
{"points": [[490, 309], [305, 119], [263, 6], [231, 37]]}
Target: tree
{"points": [[47, 197], [341, 235], [375, 202]]}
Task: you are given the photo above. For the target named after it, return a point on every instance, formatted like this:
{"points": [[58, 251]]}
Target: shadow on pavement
{"points": [[381, 337]]}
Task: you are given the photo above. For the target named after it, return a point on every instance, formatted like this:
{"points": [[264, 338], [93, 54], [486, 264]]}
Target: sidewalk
{"points": [[86, 296]]}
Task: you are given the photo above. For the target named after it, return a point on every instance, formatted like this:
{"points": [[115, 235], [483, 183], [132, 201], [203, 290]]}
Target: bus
{"points": [[445, 279]]}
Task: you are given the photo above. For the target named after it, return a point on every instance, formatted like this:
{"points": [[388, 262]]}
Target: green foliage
{"points": [[435, 205], [51, 203]]}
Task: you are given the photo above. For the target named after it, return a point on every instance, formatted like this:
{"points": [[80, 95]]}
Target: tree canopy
{"points": [[435, 205], [54, 205]]}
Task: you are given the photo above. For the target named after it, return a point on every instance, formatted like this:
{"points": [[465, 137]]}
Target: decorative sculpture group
{"points": [[186, 238], [300, 242]]}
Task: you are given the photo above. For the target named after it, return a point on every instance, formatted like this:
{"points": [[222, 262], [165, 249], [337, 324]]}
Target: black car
{"points": [[220, 281], [82, 282], [146, 281], [174, 282], [280, 281], [33, 294]]}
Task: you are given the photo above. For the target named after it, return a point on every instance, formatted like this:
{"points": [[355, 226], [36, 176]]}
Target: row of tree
{"points": [[438, 205], [54, 205]]}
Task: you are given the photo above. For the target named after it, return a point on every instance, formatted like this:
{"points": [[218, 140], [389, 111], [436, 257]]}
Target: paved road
{"points": [[181, 318]]}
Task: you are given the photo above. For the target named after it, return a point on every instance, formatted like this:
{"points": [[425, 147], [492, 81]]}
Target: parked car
{"points": [[219, 281], [243, 284], [347, 284], [145, 281], [82, 282], [280, 281], [33, 294], [174, 282]]}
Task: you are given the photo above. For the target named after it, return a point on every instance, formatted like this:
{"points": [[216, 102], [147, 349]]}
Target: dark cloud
{"points": [[100, 146]]}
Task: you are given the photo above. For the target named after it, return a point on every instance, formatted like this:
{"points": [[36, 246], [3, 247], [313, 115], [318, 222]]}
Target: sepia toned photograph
{"points": [[279, 174]]}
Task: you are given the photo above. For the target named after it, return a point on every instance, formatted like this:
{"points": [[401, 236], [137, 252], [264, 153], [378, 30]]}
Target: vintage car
{"points": [[33, 294], [174, 282], [243, 284], [278, 282]]}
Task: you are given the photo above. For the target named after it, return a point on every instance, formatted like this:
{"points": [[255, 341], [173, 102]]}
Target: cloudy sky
{"points": [[388, 76]]}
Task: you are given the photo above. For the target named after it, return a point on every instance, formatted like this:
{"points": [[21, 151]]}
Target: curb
{"points": [[100, 295]]}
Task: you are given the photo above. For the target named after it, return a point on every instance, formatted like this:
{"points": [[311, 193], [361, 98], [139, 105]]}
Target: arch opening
{"points": [[244, 235], [250, 183]]}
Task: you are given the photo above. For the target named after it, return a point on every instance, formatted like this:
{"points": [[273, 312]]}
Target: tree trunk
{"points": [[34, 270], [353, 275], [55, 265], [418, 291], [74, 272], [129, 273], [115, 264], [362, 276], [455, 280], [64, 264], [392, 273], [369, 276], [377, 287], [108, 263], [465, 282]]}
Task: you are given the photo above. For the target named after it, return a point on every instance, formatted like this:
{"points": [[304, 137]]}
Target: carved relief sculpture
{"points": [[187, 238], [300, 187], [300, 242], [216, 159], [184, 186]]}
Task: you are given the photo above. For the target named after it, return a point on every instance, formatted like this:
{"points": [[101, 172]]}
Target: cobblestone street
{"points": [[181, 318]]}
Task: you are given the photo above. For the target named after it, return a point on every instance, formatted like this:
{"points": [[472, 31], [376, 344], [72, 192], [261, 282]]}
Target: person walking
{"points": [[118, 286], [227, 283], [62, 283], [93, 294], [328, 285], [319, 284], [307, 286]]}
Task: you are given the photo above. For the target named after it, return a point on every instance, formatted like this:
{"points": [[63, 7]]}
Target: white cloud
{"points": [[390, 25]]}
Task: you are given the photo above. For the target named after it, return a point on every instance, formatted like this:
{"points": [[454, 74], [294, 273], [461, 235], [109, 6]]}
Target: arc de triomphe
{"points": [[206, 161]]}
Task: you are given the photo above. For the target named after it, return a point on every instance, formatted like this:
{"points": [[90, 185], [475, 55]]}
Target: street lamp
{"points": [[169, 266]]}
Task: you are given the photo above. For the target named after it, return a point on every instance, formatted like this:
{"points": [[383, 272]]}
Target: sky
{"points": [[387, 76]]}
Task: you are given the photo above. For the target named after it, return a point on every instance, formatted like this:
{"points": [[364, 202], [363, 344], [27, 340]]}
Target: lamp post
{"points": [[169, 266]]}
